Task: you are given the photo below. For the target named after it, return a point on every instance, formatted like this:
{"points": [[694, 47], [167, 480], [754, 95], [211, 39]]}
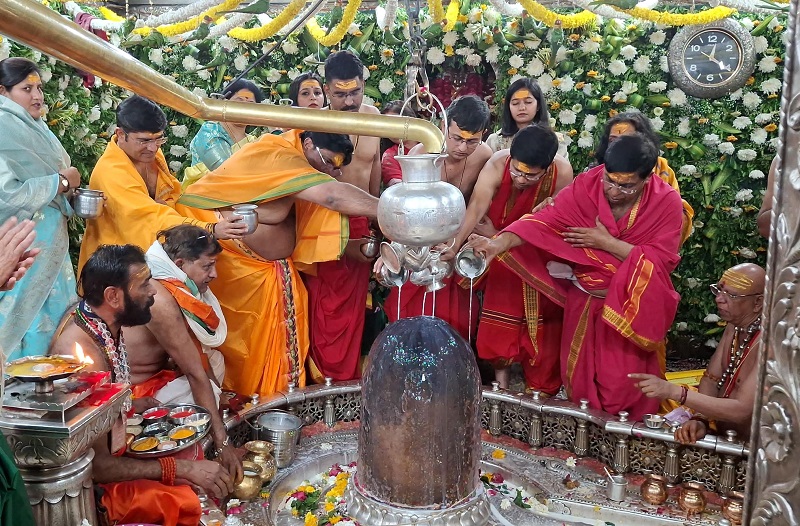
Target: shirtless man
{"points": [[728, 388], [338, 289], [513, 183], [117, 292], [467, 119]]}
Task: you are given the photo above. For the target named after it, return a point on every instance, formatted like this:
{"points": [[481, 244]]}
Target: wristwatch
{"points": [[64, 182]]}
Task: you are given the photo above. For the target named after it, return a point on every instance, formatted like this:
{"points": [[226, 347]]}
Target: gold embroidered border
{"points": [[531, 297], [535, 282], [577, 342], [624, 328]]}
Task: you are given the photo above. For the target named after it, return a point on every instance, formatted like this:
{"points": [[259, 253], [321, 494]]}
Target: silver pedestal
{"points": [[64, 494]]}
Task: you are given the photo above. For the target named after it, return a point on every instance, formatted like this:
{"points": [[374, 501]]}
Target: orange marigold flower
{"points": [[702, 120], [556, 82], [666, 104], [605, 98], [670, 145], [372, 67], [612, 113], [580, 85], [592, 74], [554, 106], [778, 28], [574, 37], [772, 96], [573, 132], [731, 138], [519, 45], [282, 71], [771, 127], [751, 81], [778, 60], [512, 71]]}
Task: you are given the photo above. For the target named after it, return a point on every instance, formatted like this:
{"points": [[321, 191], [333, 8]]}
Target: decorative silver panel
{"points": [[773, 485]]}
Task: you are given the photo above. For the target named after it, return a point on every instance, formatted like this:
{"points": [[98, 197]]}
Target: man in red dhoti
{"points": [[604, 251], [467, 118], [118, 291], [517, 324]]}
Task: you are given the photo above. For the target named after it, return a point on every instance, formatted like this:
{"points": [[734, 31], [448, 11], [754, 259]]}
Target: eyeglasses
{"points": [[609, 184], [327, 163], [525, 175], [471, 143], [338, 95], [158, 141], [716, 290]]}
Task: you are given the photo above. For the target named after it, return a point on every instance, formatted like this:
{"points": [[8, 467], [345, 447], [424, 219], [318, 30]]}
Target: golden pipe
{"points": [[41, 28]]}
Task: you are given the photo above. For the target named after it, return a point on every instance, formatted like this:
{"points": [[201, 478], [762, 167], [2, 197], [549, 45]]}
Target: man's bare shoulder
{"points": [[368, 108], [71, 335], [165, 304], [481, 155]]}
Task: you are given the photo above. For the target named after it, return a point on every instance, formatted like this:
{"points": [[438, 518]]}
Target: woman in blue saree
{"points": [[216, 141], [35, 179]]}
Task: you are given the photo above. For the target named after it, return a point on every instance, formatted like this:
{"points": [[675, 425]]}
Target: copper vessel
{"points": [[692, 498], [250, 486], [259, 452], [733, 507], [654, 489]]}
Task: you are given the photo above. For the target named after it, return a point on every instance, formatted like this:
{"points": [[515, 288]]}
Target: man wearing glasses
{"points": [[139, 189], [467, 120], [728, 386], [604, 251], [338, 290], [513, 183]]}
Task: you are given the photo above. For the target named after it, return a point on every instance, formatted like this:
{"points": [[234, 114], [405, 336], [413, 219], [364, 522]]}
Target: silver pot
{"points": [[396, 256], [387, 278], [370, 247], [470, 264], [88, 204], [423, 210], [248, 214]]}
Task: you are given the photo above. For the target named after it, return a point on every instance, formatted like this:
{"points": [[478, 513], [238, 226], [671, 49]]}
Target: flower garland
{"points": [[191, 24], [108, 14], [234, 21], [548, 17], [97, 24], [601, 10], [269, 29], [507, 9], [436, 10], [173, 17], [337, 33], [742, 6], [453, 10], [675, 19], [390, 15]]}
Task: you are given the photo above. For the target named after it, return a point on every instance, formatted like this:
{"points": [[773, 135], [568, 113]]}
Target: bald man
{"points": [[727, 389]]}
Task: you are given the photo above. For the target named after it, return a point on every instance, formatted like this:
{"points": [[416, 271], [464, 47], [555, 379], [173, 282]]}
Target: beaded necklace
{"points": [[114, 352], [739, 350]]}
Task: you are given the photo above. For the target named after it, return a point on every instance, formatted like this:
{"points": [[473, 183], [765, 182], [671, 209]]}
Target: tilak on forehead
{"points": [[469, 135], [141, 273], [736, 280], [623, 177], [622, 128], [521, 94], [311, 83], [34, 77], [346, 84], [524, 167]]}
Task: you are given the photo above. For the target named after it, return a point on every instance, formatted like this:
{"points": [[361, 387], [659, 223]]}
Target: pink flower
{"points": [[491, 492], [497, 478], [335, 470], [299, 495]]}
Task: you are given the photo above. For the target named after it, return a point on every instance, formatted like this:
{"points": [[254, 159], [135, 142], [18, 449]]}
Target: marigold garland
{"points": [[453, 10], [108, 14], [676, 19], [436, 10], [548, 17], [338, 32], [191, 24], [269, 29]]}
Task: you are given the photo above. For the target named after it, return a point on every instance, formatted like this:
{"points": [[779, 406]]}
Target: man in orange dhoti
{"points": [[604, 251], [139, 189], [300, 212], [517, 324], [117, 292], [467, 118]]}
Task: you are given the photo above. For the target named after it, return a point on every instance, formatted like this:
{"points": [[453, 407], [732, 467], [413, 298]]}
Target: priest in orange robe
{"points": [[604, 251], [139, 189], [302, 213]]}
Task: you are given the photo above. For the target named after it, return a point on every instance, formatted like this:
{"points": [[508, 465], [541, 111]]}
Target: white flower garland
{"points": [[507, 9], [179, 15], [98, 24], [743, 6], [234, 21], [391, 14], [600, 10]]}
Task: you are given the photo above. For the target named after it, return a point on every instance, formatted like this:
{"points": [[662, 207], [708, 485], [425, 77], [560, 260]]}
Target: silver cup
{"points": [[387, 278], [88, 204], [470, 264], [248, 214], [616, 488], [370, 247]]}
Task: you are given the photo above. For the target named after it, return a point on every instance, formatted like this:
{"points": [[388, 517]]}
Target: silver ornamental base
{"points": [[366, 510], [64, 494]]}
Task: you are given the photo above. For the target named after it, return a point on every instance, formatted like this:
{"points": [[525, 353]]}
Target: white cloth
{"points": [[179, 391]]}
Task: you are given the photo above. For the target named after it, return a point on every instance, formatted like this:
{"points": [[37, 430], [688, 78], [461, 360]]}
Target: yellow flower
{"points": [[771, 127], [357, 34], [772, 96], [310, 520], [484, 7], [463, 19], [514, 24], [329, 506], [400, 72], [731, 138], [512, 71], [337, 33], [580, 85], [778, 60], [666, 104], [702, 120], [592, 74], [489, 39], [282, 71], [751, 81], [605, 98], [573, 132], [596, 38], [372, 67], [227, 77], [632, 27], [612, 113], [193, 23], [670, 145], [556, 82], [519, 45], [498, 454], [554, 106], [540, 12], [388, 53], [335, 519], [677, 19], [574, 37], [778, 28], [274, 93]]}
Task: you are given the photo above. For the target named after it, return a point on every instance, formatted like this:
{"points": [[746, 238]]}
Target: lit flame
{"points": [[81, 356]]}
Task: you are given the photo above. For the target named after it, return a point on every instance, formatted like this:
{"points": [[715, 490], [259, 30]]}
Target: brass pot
{"points": [[260, 452], [251, 483], [654, 489], [733, 507], [692, 498]]}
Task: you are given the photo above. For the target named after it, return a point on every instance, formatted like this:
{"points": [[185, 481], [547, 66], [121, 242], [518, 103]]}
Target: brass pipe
{"points": [[41, 28]]}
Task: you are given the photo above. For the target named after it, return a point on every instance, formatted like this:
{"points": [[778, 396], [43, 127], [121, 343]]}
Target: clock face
{"points": [[712, 57]]}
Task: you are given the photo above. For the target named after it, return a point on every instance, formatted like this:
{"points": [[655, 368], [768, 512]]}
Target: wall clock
{"points": [[712, 60]]}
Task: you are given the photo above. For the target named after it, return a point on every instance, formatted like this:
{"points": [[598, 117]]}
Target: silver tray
{"points": [[198, 437]]}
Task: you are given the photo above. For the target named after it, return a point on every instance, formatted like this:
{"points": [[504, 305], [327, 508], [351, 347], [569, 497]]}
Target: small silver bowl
{"points": [[653, 421], [178, 420], [154, 415], [198, 421], [135, 420], [156, 430], [190, 432]]}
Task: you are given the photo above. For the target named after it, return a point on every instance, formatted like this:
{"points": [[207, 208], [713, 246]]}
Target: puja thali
{"points": [[43, 370], [167, 429]]}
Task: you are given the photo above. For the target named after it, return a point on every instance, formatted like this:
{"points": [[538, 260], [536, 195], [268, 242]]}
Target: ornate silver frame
{"points": [[734, 82]]}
